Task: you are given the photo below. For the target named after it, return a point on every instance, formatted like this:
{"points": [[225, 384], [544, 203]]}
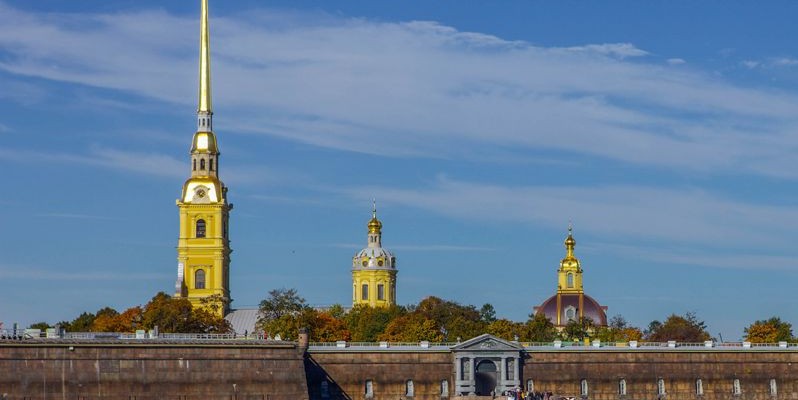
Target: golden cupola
{"points": [[374, 269]]}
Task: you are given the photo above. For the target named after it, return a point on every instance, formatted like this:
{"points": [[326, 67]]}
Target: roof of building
{"points": [[591, 308], [243, 320]]}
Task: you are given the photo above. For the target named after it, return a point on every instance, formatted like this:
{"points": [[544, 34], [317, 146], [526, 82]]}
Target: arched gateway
{"points": [[486, 364]]}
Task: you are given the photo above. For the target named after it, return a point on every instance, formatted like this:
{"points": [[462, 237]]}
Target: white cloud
{"points": [[420, 89], [751, 64], [676, 61], [785, 61], [620, 50], [687, 217]]}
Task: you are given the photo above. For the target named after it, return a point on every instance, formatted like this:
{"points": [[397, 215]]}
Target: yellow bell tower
{"points": [[203, 249], [374, 270], [569, 275]]}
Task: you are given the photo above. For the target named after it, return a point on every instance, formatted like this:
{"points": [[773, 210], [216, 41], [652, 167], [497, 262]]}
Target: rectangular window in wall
{"points": [[380, 292], [369, 388], [583, 387], [364, 292], [530, 385], [699, 387], [661, 387], [736, 388], [773, 388], [622, 387]]}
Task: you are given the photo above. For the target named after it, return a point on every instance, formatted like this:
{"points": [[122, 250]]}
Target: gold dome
{"points": [[375, 226]]}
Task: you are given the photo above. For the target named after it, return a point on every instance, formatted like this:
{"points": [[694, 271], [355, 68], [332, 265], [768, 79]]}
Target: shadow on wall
{"points": [[322, 386]]}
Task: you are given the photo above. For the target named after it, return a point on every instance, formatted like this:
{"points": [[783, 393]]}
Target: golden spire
{"points": [[375, 226], [570, 243], [204, 109]]}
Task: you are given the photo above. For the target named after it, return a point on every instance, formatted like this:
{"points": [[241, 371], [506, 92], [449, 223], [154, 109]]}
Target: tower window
{"points": [[570, 313], [199, 279], [380, 292], [210, 166], [201, 228], [195, 164], [364, 292], [202, 164], [570, 280]]}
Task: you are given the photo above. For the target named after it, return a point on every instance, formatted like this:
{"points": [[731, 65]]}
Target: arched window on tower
{"points": [[199, 279], [570, 313], [202, 164], [195, 164], [210, 166], [200, 228], [380, 292], [364, 291], [570, 280]]}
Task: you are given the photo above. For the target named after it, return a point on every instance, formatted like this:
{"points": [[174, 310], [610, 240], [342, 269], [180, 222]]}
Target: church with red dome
{"points": [[571, 303]]}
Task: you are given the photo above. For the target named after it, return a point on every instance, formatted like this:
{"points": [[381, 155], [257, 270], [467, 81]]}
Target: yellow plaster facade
{"points": [[203, 248], [374, 270]]}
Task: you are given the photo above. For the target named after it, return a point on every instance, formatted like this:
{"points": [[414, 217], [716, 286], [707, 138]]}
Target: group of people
{"points": [[518, 394]]}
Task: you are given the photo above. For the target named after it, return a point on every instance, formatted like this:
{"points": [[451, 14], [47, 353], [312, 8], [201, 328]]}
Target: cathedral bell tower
{"points": [[374, 270], [203, 249]]}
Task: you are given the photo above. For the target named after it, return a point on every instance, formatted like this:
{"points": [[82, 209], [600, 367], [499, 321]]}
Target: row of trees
{"points": [[284, 312], [168, 314], [435, 319]]}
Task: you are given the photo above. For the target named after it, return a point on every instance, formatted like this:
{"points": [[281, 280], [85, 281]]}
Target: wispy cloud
{"points": [[145, 163], [16, 272], [676, 61], [420, 247], [73, 216], [685, 216], [315, 79]]}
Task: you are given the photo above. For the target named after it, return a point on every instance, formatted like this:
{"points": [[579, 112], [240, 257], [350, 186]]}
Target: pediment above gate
{"points": [[487, 342]]}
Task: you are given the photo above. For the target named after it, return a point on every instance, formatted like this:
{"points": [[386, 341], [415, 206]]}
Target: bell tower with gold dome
{"points": [[569, 275], [203, 249], [571, 303], [374, 270]]}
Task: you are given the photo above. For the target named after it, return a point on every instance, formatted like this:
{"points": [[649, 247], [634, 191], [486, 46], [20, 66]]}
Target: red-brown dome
{"points": [[591, 308]]}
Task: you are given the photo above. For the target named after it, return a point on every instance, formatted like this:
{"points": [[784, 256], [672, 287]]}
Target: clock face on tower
{"points": [[201, 195]]}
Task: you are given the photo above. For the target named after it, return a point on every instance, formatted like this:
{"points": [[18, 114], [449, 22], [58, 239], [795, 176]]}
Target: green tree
{"points": [[769, 331], [82, 323], [506, 329], [367, 323], [618, 330], [539, 328], [412, 327], [686, 328], [456, 320], [281, 302], [578, 329], [487, 313], [40, 325]]}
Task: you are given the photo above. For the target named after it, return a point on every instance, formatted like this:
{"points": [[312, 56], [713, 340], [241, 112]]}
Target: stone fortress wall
{"points": [[251, 369], [151, 370]]}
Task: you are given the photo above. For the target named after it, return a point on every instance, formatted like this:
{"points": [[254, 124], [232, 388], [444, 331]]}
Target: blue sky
{"points": [[667, 131]]}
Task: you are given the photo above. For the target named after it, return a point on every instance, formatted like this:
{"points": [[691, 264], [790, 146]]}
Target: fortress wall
{"points": [[562, 372], [138, 370], [347, 372]]}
